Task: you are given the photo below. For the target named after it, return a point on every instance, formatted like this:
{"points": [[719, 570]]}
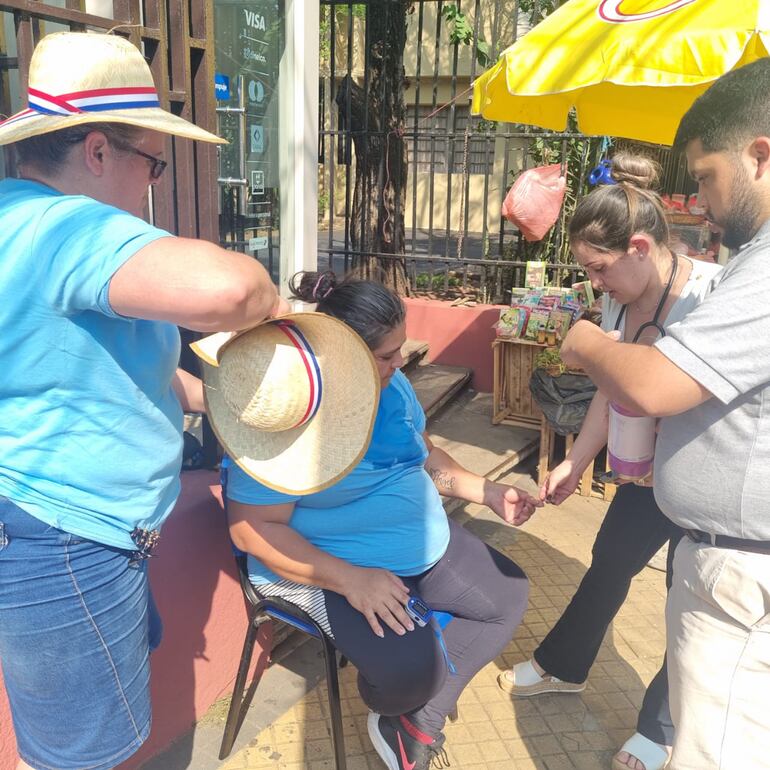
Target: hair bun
{"points": [[637, 170], [313, 287]]}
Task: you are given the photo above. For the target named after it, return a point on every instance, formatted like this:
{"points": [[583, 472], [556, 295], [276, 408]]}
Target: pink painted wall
{"points": [[195, 585], [193, 578], [8, 756], [458, 336]]}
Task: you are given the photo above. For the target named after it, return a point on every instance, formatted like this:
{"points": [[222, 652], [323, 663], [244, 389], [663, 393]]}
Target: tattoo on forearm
{"points": [[441, 478]]}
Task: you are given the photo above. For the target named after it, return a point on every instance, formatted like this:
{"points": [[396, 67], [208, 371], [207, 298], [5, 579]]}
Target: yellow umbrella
{"points": [[631, 68]]}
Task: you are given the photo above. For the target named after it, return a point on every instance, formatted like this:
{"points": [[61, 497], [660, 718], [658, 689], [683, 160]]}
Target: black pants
{"points": [[487, 595], [632, 531]]}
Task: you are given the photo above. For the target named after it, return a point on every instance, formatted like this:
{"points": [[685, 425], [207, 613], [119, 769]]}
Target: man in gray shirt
{"points": [[709, 379]]}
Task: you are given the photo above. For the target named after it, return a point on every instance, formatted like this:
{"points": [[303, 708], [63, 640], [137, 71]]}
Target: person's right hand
{"points": [[380, 596], [560, 483]]}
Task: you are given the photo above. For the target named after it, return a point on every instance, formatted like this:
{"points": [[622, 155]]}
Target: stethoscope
{"points": [[655, 322]]}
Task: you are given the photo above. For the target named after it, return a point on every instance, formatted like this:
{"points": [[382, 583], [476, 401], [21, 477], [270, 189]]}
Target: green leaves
{"points": [[461, 31], [482, 52]]}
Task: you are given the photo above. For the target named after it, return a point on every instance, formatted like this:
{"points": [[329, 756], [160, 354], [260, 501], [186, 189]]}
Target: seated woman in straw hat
{"points": [[353, 554], [91, 403]]}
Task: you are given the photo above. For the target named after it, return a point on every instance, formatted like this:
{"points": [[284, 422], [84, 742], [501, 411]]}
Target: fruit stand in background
{"points": [[690, 232]]}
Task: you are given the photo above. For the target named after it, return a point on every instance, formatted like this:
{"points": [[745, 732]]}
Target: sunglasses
{"points": [[158, 165]]}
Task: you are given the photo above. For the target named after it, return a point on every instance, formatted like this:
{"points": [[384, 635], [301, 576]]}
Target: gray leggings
{"points": [[484, 591]]}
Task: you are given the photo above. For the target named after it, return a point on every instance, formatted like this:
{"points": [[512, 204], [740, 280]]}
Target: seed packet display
{"points": [[535, 275], [538, 318], [577, 310], [584, 293], [505, 326], [561, 320], [512, 322], [518, 295]]}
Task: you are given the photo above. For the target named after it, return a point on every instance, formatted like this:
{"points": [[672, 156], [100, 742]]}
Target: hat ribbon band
{"points": [[289, 328], [78, 102]]}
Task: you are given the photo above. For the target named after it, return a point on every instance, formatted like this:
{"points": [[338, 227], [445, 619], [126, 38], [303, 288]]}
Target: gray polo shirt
{"points": [[712, 463]]}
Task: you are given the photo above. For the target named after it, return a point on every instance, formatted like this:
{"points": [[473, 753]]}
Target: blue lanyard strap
{"points": [[438, 622]]}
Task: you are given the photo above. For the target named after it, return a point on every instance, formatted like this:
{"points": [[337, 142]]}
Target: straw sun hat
{"points": [[293, 400], [77, 77]]}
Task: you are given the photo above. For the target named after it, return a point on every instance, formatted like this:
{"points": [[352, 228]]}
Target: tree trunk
{"points": [[375, 116]]}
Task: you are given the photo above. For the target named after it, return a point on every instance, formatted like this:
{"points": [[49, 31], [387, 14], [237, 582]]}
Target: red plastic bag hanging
{"points": [[534, 201]]}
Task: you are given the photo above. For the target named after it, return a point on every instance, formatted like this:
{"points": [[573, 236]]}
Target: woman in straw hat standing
{"points": [[353, 553], [91, 402]]}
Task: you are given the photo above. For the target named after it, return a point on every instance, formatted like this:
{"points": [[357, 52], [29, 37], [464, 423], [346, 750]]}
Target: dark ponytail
{"points": [[367, 307]]}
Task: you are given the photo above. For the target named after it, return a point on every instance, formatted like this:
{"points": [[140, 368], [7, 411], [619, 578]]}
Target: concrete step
{"points": [[414, 351], [465, 432], [437, 385]]}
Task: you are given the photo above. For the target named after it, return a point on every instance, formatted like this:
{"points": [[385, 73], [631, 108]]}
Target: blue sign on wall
{"points": [[221, 86]]}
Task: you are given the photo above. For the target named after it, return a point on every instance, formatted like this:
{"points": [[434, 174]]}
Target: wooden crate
{"points": [[606, 490], [512, 402]]}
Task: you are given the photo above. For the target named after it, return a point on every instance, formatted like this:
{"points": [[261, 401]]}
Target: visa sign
{"points": [[255, 20]]}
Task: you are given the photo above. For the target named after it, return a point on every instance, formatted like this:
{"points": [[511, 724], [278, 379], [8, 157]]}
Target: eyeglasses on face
{"points": [[158, 165]]}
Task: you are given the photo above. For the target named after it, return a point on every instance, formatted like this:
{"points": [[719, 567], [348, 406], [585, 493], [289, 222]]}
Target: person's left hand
{"points": [[578, 338], [511, 504]]}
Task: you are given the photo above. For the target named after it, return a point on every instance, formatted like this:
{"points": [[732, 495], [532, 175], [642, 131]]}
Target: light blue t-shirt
{"points": [[90, 429], [385, 513]]}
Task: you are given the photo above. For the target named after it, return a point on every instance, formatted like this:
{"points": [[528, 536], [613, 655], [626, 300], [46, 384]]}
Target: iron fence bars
{"points": [[446, 208]]}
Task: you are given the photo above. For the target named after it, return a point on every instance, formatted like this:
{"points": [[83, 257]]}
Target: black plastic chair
{"points": [[263, 609]]}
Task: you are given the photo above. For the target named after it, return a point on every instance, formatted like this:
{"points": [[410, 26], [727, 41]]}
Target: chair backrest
{"points": [[273, 606], [242, 563]]}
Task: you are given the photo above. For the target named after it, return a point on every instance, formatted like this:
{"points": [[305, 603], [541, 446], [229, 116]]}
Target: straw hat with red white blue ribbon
{"points": [[292, 400], [79, 77]]}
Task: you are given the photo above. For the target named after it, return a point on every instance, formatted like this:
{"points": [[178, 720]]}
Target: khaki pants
{"points": [[718, 629]]}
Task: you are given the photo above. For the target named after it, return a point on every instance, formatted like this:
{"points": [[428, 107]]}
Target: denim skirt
{"points": [[76, 625]]}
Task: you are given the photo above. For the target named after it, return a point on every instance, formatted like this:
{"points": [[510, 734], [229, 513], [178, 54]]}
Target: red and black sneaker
{"points": [[402, 746]]}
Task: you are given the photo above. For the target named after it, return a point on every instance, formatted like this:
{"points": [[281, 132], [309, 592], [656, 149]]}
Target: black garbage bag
{"points": [[564, 399]]}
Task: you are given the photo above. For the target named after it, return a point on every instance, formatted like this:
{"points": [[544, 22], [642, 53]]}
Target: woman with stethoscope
{"points": [[619, 234]]}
